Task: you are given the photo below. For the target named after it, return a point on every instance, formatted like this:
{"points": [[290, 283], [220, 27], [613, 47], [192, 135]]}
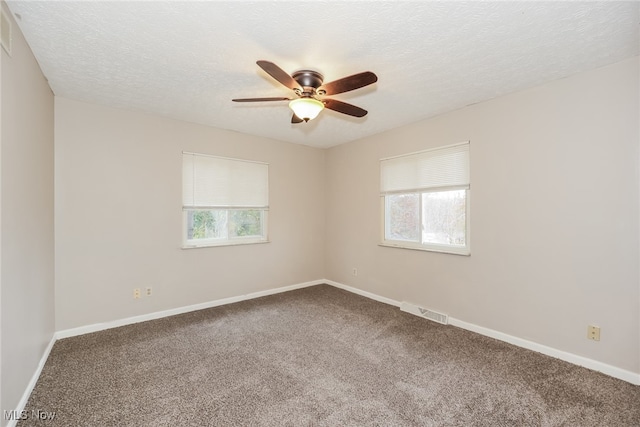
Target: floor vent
{"points": [[5, 32], [423, 312]]}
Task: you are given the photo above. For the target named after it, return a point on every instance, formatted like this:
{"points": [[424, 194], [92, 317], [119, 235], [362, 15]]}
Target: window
{"points": [[225, 201], [425, 200]]}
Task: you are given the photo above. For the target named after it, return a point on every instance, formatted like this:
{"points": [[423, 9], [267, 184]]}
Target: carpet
{"points": [[318, 356]]}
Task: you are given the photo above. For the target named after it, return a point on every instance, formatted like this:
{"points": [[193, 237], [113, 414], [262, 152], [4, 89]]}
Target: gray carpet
{"points": [[317, 356]]}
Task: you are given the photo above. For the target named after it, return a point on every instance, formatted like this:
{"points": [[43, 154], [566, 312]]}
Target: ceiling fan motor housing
{"points": [[309, 80], [307, 84]]}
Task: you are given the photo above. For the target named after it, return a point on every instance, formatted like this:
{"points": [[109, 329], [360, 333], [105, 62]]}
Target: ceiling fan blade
{"points": [[296, 119], [279, 74], [344, 108], [260, 99], [346, 84]]}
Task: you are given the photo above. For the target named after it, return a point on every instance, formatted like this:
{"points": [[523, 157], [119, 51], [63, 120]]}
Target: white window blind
{"points": [[216, 182], [445, 167]]}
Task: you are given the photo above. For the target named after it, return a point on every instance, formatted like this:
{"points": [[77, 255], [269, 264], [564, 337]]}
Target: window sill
{"points": [[222, 244], [443, 250]]}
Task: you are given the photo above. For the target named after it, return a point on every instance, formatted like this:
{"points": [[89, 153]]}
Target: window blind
{"points": [[215, 182], [438, 168]]}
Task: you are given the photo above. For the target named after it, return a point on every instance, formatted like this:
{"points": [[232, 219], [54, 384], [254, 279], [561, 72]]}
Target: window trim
{"points": [[229, 241], [428, 247], [233, 241]]}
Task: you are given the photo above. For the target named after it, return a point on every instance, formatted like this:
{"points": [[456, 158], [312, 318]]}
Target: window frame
{"points": [[229, 240], [429, 247], [415, 245]]}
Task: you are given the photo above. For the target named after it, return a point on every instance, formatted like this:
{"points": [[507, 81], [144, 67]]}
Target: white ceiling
{"points": [[187, 60]]}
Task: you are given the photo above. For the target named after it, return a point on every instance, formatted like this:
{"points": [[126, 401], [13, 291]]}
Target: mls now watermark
{"points": [[35, 414]]}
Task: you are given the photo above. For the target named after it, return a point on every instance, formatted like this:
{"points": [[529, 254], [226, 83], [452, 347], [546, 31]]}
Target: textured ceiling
{"points": [[187, 60]]}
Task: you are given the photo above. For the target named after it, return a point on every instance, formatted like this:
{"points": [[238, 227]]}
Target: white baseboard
{"points": [[628, 376], [137, 319], [612, 371], [32, 383], [363, 293], [180, 310]]}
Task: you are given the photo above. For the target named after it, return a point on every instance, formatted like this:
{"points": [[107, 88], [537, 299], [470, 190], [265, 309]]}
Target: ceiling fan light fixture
{"points": [[306, 108], [306, 84]]}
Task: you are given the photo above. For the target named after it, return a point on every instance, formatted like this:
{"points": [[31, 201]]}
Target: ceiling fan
{"points": [[308, 86]]}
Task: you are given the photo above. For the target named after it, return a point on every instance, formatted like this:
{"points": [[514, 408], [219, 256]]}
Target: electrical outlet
{"points": [[136, 293], [593, 333], [148, 291], [354, 271]]}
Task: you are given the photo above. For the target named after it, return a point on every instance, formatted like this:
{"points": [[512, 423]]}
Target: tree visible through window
{"points": [[222, 224], [225, 201], [403, 211], [444, 217]]}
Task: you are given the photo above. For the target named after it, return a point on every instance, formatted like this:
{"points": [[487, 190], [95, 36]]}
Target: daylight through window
{"points": [[225, 201], [425, 200]]}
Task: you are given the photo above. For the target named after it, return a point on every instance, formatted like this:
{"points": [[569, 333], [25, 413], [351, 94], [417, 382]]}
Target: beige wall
{"points": [[554, 222], [119, 218], [27, 278], [554, 227], [554, 216]]}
